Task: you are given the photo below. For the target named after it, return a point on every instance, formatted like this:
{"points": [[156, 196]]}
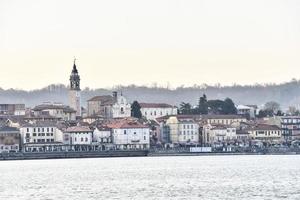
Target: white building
{"points": [[188, 131], [155, 110], [183, 130], [250, 110], [130, 134], [121, 108], [102, 135], [41, 135], [218, 133], [78, 135]]}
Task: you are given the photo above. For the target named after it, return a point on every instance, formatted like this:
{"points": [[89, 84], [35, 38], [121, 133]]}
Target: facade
{"points": [[12, 109], [78, 135], [223, 119], [188, 131], [219, 134], [264, 132], [130, 134], [152, 111], [56, 110], [9, 139], [290, 126], [247, 110], [40, 136], [102, 135], [108, 107], [182, 130], [74, 92]]}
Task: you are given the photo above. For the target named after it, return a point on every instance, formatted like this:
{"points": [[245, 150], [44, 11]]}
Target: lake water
{"points": [[196, 177]]}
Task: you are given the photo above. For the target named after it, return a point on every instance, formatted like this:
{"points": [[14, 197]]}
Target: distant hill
{"points": [[286, 94]]}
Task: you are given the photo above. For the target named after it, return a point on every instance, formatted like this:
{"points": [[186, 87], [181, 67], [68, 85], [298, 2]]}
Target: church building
{"points": [[74, 92]]}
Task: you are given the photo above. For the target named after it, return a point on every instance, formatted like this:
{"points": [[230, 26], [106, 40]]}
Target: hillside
{"points": [[286, 94]]}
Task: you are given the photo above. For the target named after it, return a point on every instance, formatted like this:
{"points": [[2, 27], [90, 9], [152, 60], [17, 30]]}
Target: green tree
{"points": [[136, 110], [229, 107], [203, 105], [185, 108]]}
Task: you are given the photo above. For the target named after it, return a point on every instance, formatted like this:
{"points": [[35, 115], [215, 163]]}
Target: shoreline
{"points": [[112, 154]]}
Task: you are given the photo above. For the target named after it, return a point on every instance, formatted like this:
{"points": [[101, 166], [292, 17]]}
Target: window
{"points": [[47, 129], [52, 140], [81, 139], [38, 129], [154, 113], [75, 139], [86, 139], [34, 134], [51, 129], [48, 134], [134, 133], [27, 129], [33, 129], [144, 137], [124, 132]]}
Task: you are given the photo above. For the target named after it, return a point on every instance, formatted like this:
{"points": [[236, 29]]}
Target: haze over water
{"points": [[205, 177]]}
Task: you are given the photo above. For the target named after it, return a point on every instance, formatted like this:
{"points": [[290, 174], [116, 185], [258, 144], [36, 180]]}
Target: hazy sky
{"points": [[142, 42]]}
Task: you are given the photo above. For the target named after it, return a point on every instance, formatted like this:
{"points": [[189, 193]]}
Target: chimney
{"points": [[115, 95]]}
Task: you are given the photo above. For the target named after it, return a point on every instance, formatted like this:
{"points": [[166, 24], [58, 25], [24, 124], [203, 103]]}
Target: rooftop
{"points": [[155, 105]]}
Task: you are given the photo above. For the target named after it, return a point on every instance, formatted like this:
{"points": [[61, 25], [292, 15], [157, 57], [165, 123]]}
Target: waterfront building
{"points": [[57, 110], [172, 129], [9, 139], [78, 135], [128, 133], [223, 119], [115, 106], [74, 92], [12, 109], [247, 110], [290, 126], [217, 134], [40, 136], [265, 132], [102, 136], [152, 111]]}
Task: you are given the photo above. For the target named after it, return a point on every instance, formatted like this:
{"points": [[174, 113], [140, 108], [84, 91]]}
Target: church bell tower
{"points": [[74, 92]]}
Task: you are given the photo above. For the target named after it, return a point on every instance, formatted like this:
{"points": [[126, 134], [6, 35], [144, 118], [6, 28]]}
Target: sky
{"points": [[140, 42]]}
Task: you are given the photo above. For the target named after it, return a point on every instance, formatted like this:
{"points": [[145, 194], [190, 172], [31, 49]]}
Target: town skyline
{"points": [[137, 42]]}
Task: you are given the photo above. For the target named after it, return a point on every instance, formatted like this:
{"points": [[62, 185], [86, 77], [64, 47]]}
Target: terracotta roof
{"points": [[125, 123], [155, 105], [78, 129]]}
